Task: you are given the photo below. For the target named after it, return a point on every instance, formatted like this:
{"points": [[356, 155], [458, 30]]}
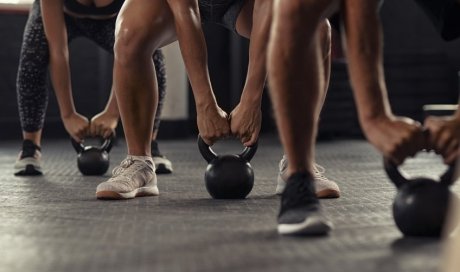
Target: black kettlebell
{"points": [[421, 204], [93, 160], [228, 176]]}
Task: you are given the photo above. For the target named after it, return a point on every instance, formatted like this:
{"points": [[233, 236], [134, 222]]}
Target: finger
{"points": [[207, 140], [451, 158], [252, 141], [245, 138], [444, 141], [76, 138], [92, 131], [451, 149]]}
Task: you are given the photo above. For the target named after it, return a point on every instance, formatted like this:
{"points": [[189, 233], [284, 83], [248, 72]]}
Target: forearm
{"points": [[364, 48], [112, 106], [257, 68], [60, 77], [193, 48]]}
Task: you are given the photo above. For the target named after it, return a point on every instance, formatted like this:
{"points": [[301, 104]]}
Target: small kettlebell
{"points": [[228, 176], [93, 160], [421, 204]]}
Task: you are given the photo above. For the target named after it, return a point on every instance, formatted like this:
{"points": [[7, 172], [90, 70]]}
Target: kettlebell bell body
{"points": [[228, 176], [93, 160], [421, 204]]}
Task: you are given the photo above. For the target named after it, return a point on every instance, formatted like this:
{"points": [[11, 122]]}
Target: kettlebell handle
{"points": [[79, 147], [106, 145], [393, 173], [249, 152], [209, 155], [400, 179]]}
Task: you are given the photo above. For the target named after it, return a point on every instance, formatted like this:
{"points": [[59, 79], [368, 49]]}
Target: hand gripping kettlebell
{"points": [[93, 160], [228, 176], [421, 204]]}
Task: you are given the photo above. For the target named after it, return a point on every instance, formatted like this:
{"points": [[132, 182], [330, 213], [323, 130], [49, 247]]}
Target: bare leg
{"points": [[297, 83], [134, 77]]}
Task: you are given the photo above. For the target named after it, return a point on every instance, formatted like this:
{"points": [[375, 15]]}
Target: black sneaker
{"points": [[162, 164], [28, 162], [300, 212]]}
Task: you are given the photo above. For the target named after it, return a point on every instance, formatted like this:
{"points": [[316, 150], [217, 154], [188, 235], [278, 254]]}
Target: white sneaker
{"points": [[29, 160], [134, 177], [325, 188]]}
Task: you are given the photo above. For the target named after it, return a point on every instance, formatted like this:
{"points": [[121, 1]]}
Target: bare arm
{"points": [[104, 123], [397, 138], [246, 118], [56, 34], [212, 121]]}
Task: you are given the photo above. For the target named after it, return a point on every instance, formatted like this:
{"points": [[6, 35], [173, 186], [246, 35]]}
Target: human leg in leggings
{"points": [[32, 89]]}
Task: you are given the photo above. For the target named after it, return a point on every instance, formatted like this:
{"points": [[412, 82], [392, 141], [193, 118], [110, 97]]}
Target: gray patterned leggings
{"points": [[34, 59]]}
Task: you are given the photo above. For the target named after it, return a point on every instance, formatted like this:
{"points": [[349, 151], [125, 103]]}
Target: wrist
{"points": [[65, 114], [251, 98], [111, 112], [372, 118], [205, 100]]}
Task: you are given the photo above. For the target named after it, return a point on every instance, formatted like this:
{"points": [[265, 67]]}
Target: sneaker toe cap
{"points": [[112, 187]]}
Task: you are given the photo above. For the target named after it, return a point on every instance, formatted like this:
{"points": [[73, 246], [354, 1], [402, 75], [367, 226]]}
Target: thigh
{"points": [[244, 20], [146, 21]]}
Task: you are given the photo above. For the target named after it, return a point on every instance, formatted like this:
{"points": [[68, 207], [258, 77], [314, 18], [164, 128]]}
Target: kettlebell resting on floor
{"points": [[421, 204], [93, 160], [228, 176]]}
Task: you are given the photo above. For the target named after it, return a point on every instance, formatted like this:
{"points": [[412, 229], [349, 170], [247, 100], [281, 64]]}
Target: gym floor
{"points": [[54, 223]]}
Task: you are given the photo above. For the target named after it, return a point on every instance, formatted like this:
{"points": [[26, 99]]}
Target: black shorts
{"points": [[221, 12], [445, 15]]}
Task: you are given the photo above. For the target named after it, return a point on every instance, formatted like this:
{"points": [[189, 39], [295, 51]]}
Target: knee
{"points": [[132, 42]]}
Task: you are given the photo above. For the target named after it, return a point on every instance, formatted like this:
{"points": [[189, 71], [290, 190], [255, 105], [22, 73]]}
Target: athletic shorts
{"points": [[221, 12]]}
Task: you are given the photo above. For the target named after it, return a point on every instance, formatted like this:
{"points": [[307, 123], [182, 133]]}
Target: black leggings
{"points": [[34, 61]]}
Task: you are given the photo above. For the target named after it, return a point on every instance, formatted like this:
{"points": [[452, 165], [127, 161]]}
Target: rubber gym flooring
{"points": [[54, 223]]}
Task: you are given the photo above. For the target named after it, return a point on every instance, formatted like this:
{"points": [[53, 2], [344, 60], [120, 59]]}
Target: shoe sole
{"points": [[312, 226], [29, 170], [140, 192], [162, 169], [326, 193]]}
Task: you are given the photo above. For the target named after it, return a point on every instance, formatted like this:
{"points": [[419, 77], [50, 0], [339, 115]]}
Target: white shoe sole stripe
{"points": [[313, 225], [142, 191]]}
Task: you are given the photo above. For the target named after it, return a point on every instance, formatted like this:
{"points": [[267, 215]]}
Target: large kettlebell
{"points": [[93, 160], [421, 204], [228, 176]]}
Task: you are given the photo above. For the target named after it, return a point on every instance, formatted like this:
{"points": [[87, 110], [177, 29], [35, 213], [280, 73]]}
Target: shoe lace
{"points": [[319, 172], [124, 165]]}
